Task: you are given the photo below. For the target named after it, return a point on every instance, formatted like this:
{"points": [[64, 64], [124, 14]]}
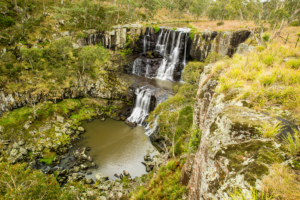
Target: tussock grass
{"points": [[282, 182], [238, 194], [268, 130], [263, 77], [292, 143]]}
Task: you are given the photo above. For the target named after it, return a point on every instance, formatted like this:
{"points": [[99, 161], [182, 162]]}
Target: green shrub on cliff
{"points": [[165, 185]]}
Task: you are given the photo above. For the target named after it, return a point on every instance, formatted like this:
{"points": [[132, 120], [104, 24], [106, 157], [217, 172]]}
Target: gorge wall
{"points": [[232, 153]]}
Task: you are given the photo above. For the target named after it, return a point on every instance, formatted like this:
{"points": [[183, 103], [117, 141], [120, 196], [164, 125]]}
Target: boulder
{"points": [[90, 159], [14, 152], [101, 178], [23, 151], [90, 181], [60, 119], [126, 173], [131, 124], [89, 172], [80, 129], [83, 166], [21, 142], [15, 146]]}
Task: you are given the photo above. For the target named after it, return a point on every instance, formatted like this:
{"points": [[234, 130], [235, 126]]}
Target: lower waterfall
{"points": [[142, 107]]}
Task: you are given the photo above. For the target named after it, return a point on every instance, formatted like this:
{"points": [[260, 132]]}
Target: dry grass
{"points": [[228, 25], [282, 182], [263, 77]]}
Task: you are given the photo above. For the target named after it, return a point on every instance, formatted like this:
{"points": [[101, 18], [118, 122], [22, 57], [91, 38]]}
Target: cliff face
{"points": [[224, 43], [232, 153], [83, 88]]}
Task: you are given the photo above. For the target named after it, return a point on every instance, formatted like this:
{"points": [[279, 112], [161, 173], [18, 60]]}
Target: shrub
{"points": [[195, 138], [296, 23], [19, 182], [156, 29], [266, 37], [294, 63], [239, 194], [220, 23], [6, 22], [48, 158]]}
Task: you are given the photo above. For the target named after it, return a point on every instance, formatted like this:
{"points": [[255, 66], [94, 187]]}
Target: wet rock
{"points": [[126, 173], [132, 124], [149, 166], [88, 148], [90, 181], [121, 176], [90, 159], [83, 166], [102, 198], [93, 164], [76, 177], [116, 175], [60, 119], [89, 172], [101, 178], [23, 151], [103, 119], [80, 129], [147, 158]]}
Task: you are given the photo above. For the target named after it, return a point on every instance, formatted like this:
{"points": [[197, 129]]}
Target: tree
{"points": [[198, 7], [90, 54], [32, 55], [19, 182], [63, 46], [276, 12]]}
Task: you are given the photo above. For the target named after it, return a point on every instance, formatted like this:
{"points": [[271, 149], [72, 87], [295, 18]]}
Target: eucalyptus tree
{"points": [[279, 14], [198, 7]]}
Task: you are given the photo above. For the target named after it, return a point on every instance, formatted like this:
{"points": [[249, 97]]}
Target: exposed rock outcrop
{"points": [[232, 153]]}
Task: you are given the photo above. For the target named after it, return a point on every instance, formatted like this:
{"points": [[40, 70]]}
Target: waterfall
{"points": [[159, 46], [145, 42], [142, 106], [137, 66], [173, 41], [185, 44], [166, 44], [168, 65]]}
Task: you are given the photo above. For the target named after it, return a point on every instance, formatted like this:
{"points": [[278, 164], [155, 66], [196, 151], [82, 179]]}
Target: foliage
{"points": [[282, 182], [239, 194], [268, 130], [156, 29], [192, 72], [195, 139], [19, 182], [266, 37], [292, 143], [220, 23], [48, 157], [6, 22], [165, 185]]}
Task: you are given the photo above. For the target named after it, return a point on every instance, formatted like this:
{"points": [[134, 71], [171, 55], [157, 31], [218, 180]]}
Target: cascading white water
{"points": [[145, 42], [142, 106], [159, 46], [185, 44], [166, 69], [136, 66], [166, 45]]}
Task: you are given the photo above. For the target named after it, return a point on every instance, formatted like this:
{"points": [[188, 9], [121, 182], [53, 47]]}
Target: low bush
{"points": [[292, 143], [6, 22], [220, 23]]}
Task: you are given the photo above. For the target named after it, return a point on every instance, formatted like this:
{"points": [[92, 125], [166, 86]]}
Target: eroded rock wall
{"points": [[232, 153], [83, 88], [224, 43]]}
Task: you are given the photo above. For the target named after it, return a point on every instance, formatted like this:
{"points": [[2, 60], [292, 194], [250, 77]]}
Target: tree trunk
{"points": [[62, 2], [44, 5], [173, 144], [16, 5]]}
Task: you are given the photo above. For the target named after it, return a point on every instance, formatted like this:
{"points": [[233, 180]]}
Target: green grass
{"points": [[165, 185], [292, 143], [48, 158]]}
